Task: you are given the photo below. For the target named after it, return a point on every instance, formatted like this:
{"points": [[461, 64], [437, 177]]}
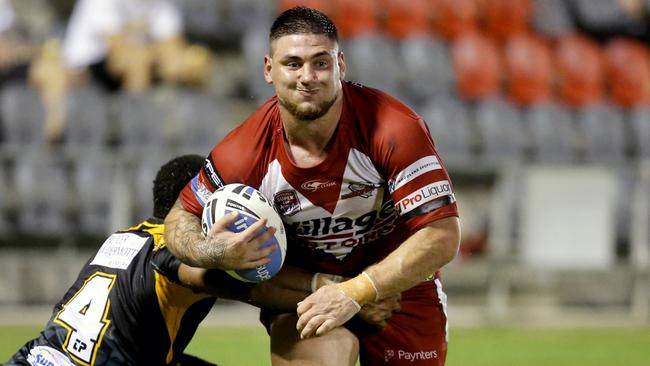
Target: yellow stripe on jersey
{"points": [[155, 230], [174, 300]]}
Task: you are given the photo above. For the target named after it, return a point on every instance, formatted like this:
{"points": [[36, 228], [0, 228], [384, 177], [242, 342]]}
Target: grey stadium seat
{"points": [[552, 18], [639, 122], [552, 132], [428, 71], [602, 130], [451, 128], [142, 120], [142, 173], [93, 175], [372, 60], [87, 119], [22, 115], [42, 186], [501, 132]]}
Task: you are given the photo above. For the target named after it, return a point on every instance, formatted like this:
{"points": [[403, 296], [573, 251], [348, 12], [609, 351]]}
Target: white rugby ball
{"points": [[252, 206]]}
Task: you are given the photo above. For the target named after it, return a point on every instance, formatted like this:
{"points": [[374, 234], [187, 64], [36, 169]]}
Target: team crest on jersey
{"points": [[287, 202], [316, 184], [364, 190]]}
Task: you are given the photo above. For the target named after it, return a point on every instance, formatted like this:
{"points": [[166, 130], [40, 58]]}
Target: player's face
{"points": [[306, 71]]}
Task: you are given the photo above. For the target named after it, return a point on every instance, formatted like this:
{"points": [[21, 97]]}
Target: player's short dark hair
{"points": [[303, 20], [170, 180]]}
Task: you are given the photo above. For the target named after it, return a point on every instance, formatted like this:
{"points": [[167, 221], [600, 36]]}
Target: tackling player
{"points": [[362, 192], [134, 303]]}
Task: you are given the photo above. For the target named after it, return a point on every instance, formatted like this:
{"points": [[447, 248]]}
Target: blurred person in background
{"points": [[134, 303], [121, 45], [363, 193]]}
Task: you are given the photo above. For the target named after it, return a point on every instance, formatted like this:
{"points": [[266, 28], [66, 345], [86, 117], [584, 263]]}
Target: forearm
{"points": [[184, 238], [418, 257]]}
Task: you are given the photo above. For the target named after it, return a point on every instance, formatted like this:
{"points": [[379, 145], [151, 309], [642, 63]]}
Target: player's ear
{"points": [[267, 69], [341, 61]]}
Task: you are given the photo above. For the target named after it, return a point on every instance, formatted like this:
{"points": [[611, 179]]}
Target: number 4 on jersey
{"points": [[84, 316]]}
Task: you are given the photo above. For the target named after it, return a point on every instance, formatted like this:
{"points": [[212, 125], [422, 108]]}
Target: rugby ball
{"points": [[252, 206]]}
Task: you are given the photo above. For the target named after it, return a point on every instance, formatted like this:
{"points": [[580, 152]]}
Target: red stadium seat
{"points": [[504, 18], [477, 65], [355, 18], [452, 18], [627, 64], [579, 70], [529, 69], [405, 18]]}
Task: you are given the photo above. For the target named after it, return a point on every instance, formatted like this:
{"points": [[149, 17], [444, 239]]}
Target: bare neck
{"points": [[308, 141]]}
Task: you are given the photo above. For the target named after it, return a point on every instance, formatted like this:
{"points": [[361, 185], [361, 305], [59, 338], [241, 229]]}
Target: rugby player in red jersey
{"points": [[363, 194]]}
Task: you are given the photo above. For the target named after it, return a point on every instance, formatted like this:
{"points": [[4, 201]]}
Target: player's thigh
{"points": [[339, 347]]}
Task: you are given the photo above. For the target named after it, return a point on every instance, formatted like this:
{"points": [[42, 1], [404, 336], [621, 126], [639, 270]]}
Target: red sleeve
{"points": [[417, 179]]}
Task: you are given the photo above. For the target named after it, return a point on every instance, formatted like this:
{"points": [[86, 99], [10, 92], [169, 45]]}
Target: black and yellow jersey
{"points": [[126, 307]]}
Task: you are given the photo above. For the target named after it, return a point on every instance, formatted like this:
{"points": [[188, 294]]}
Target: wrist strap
{"points": [[372, 282], [314, 282], [360, 289]]}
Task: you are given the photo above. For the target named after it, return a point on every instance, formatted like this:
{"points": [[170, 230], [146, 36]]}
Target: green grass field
{"points": [[468, 347]]}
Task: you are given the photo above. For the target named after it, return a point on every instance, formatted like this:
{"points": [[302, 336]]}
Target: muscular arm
{"points": [[221, 248], [419, 256]]}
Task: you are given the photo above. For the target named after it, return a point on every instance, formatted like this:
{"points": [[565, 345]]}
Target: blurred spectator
{"points": [[604, 19], [122, 44]]}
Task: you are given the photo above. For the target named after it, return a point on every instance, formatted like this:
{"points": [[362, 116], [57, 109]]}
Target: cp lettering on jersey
{"points": [[423, 195]]}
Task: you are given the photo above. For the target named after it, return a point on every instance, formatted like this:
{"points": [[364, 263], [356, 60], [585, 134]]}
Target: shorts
{"points": [[416, 335]]}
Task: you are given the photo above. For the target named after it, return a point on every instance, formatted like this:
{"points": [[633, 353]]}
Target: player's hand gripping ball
{"points": [[252, 206]]}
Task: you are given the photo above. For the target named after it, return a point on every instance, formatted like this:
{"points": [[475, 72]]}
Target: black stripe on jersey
{"points": [[434, 205], [213, 175]]}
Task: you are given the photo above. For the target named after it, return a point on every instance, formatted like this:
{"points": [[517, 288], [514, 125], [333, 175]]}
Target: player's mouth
{"points": [[307, 92]]}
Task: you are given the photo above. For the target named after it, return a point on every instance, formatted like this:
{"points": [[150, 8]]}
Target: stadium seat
{"points": [[407, 18], [93, 174], [528, 69], [552, 133], [254, 45], [87, 118], [602, 130], [453, 18], [42, 192], [500, 130], [142, 171], [428, 71], [143, 120], [639, 123], [22, 114], [552, 18], [5, 225], [627, 64], [246, 14], [477, 65], [200, 121], [580, 70], [203, 19], [452, 131], [505, 18], [357, 18], [372, 60]]}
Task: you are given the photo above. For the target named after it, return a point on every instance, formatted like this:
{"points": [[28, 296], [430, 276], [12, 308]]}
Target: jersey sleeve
{"points": [[417, 179], [199, 189], [164, 262]]}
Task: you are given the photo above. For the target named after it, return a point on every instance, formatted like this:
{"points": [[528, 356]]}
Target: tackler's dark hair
{"points": [[170, 181]]}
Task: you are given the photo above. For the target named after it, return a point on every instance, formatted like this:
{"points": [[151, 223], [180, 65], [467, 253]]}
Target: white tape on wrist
{"points": [[314, 282], [356, 304], [372, 282]]}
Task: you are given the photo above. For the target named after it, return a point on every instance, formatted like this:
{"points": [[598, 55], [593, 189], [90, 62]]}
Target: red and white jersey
{"points": [[381, 182]]}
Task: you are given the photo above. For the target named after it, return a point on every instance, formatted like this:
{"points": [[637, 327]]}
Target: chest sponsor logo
{"points": [[119, 250], [316, 184], [364, 190], [423, 165], [423, 195], [338, 235], [287, 202]]}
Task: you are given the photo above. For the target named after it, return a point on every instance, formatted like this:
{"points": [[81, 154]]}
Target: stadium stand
{"points": [[407, 18], [603, 132], [580, 76], [639, 122], [552, 18], [627, 64], [552, 132], [505, 18], [87, 118], [453, 18], [428, 71], [477, 64], [22, 116], [500, 130], [528, 69], [449, 122]]}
